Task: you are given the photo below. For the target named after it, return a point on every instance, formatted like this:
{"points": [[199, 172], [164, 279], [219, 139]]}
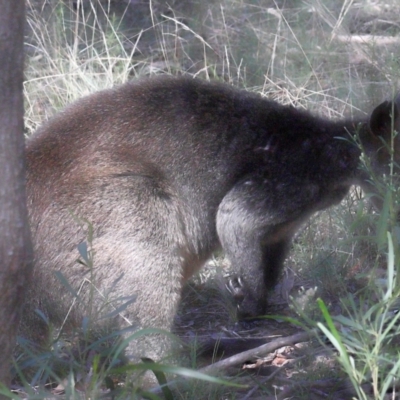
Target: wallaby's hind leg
{"points": [[154, 283], [137, 234], [255, 222]]}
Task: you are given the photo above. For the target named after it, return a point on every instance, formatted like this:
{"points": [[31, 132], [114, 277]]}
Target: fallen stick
{"points": [[257, 352], [368, 39], [246, 355]]}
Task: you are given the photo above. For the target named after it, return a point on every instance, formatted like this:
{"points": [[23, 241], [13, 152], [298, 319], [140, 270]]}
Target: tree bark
{"points": [[15, 244]]}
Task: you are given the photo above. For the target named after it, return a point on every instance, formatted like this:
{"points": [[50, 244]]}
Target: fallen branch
{"points": [[368, 39], [244, 356], [258, 352]]}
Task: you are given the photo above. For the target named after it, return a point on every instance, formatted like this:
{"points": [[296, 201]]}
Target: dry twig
{"points": [[258, 351]]}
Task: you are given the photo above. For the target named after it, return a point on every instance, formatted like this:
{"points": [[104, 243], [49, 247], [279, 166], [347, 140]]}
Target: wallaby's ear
{"points": [[384, 117]]}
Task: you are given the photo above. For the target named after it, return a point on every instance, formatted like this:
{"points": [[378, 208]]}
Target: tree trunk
{"points": [[15, 245]]}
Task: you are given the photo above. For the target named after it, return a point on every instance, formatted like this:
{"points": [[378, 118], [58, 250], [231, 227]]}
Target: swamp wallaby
{"points": [[167, 170]]}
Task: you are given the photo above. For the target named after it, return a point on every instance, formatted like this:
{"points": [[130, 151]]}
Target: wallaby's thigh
{"points": [[138, 248]]}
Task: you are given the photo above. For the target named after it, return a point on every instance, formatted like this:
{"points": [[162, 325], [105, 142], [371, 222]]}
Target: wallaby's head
{"points": [[384, 125], [380, 142]]}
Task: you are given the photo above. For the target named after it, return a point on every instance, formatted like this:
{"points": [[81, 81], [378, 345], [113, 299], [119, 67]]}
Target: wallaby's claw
{"points": [[235, 288]]}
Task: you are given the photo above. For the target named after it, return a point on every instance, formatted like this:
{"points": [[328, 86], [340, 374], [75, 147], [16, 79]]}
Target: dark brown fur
{"points": [[167, 170]]}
